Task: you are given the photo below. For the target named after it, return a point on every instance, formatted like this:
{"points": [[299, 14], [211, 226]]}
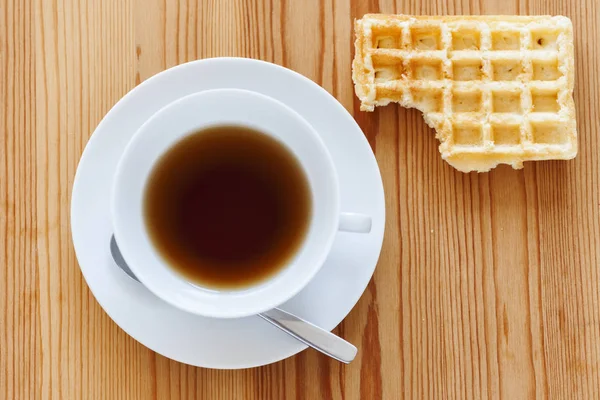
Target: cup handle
{"points": [[353, 222]]}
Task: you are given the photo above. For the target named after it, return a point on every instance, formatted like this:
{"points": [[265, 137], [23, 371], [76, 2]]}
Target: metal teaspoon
{"points": [[302, 330]]}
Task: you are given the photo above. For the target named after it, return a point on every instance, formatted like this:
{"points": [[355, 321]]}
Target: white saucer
{"points": [[238, 343]]}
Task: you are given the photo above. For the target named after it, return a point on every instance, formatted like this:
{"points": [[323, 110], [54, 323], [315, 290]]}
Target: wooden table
{"points": [[487, 287]]}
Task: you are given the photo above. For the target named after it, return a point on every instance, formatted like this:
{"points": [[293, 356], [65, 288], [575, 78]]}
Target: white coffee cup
{"points": [[187, 116]]}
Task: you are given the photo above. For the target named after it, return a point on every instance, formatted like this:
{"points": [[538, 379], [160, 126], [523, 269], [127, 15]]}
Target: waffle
{"points": [[497, 89]]}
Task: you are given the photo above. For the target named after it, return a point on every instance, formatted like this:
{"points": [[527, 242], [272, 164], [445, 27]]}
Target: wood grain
{"points": [[487, 287]]}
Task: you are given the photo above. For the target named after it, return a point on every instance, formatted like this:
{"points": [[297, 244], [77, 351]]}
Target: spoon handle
{"points": [[311, 335]]}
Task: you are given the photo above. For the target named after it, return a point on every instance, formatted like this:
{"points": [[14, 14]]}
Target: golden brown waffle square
{"points": [[497, 89]]}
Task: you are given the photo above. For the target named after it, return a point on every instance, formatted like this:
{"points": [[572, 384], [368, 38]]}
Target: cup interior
{"points": [[187, 116]]}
